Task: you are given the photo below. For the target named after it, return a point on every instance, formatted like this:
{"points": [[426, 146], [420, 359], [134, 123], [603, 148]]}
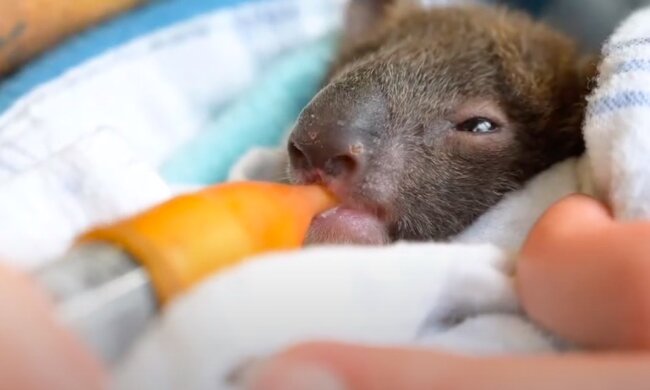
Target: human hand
{"points": [[323, 366], [586, 277], [36, 352]]}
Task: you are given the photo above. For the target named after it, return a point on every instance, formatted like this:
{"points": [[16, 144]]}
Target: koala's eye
{"points": [[478, 125]]}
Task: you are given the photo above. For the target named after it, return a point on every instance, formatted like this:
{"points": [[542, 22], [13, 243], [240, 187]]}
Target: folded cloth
{"points": [[96, 180], [377, 296], [259, 117], [617, 126], [457, 296], [161, 89]]}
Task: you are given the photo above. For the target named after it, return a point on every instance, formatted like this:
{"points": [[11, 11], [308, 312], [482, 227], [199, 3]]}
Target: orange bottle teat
{"points": [[193, 236]]}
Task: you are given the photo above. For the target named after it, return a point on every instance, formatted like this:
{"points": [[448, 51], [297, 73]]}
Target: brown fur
{"points": [[411, 76]]}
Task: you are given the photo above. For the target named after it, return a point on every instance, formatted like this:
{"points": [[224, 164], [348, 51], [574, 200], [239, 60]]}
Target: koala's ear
{"points": [[363, 16]]}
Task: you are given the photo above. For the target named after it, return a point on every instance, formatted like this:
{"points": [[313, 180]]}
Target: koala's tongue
{"points": [[347, 226]]}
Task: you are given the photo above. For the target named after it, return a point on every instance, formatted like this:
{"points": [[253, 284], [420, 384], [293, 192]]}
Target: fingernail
{"points": [[282, 375]]}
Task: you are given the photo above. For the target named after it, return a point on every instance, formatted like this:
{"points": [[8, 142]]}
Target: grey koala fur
{"points": [[429, 117]]}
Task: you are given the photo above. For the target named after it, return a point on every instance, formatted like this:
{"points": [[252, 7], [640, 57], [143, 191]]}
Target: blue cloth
{"points": [[153, 16], [259, 117]]}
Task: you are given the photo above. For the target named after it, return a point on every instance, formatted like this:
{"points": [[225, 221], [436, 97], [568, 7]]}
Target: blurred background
{"points": [[590, 21]]}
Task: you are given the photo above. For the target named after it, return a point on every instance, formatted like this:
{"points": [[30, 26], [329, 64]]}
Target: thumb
{"points": [[36, 351], [574, 215]]}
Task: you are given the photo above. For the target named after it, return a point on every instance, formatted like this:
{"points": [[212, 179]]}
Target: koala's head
{"points": [[429, 117]]}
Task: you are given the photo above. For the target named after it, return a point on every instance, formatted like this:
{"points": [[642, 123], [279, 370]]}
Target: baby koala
{"points": [[429, 117]]}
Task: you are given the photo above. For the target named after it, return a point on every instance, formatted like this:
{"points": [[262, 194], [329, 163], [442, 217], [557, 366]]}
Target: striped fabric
{"points": [[617, 128]]}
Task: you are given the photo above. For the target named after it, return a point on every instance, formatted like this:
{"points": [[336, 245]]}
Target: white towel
{"points": [[618, 122], [95, 180], [458, 296]]}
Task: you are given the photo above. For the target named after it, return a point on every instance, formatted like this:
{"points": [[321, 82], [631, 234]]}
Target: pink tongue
{"points": [[346, 226]]}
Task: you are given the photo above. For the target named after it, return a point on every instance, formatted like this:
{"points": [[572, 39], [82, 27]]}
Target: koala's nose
{"points": [[332, 152], [335, 135]]}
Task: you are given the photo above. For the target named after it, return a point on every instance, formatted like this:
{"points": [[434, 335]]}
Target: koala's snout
{"points": [[332, 154], [336, 135]]}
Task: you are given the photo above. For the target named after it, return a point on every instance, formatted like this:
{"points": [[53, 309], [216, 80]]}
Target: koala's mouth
{"points": [[349, 225]]}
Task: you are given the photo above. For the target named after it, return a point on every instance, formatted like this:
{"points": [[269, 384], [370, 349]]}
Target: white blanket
{"points": [[458, 296]]}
